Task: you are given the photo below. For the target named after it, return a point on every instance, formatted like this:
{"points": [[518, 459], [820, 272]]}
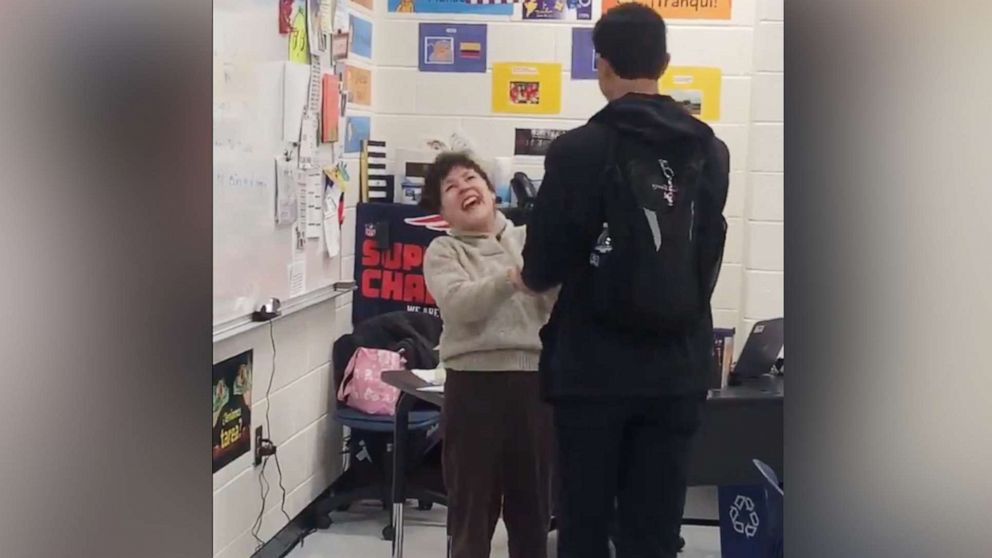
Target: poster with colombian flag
{"points": [[526, 88], [697, 88], [452, 47], [681, 9]]}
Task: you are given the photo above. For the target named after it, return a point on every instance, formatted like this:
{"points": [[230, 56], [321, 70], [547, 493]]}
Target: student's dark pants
{"points": [[627, 458], [497, 452]]}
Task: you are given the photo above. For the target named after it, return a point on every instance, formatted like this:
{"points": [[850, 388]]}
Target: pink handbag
{"points": [[362, 387]]}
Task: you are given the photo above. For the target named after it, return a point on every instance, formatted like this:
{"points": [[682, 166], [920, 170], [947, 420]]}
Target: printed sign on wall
{"points": [[534, 141], [681, 9], [356, 130], [526, 88], [451, 47], [696, 88], [390, 241], [583, 54], [358, 82], [361, 36], [231, 409], [572, 10], [449, 7]]}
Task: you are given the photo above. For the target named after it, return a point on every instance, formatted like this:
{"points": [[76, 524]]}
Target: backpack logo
{"points": [[668, 190]]}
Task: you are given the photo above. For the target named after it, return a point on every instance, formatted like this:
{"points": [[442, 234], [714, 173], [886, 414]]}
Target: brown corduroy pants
{"points": [[498, 448]]}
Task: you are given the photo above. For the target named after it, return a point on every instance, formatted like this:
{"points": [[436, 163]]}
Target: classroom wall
{"points": [[410, 105], [301, 414], [300, 409]]}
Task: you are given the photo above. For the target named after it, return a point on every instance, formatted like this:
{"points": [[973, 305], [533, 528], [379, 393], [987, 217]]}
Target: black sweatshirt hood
{"points": [[654, 119]]}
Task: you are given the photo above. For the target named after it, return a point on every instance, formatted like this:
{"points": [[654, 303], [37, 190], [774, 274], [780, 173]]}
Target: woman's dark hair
{"points": [[632, 38], [430, 196]]}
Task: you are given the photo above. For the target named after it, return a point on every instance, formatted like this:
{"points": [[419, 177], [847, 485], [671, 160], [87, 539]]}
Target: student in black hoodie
{"points": [[626, 401]]}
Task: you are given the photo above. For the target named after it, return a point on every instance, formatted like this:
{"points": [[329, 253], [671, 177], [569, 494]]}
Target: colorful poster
{"points": [[534, 141], [361, 36], [299, 47], [231, 409], [682, 9], [526, 88], [583, 54], [330, 109], [390, 241], [452, 47], [571, 10], [697, 88], [358, 82], [449, 7], [285, 11], [356, 130]]}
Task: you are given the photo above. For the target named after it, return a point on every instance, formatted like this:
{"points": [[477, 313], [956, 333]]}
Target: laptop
{"points": [[762, 349]]}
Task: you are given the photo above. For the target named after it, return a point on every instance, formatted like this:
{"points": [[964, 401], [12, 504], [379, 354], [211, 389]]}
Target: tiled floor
{"points": [[358, 534]]}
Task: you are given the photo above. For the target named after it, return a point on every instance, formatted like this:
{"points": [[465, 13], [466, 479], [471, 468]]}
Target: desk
{"points": [[739, 423]]}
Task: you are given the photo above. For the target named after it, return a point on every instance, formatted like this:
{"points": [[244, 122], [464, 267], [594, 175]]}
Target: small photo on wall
{"points": [[534, 141], [356, 130], [439, 50], [691, 99], [525, 92]]}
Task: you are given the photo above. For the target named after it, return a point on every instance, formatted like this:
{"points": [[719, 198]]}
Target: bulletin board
{"points": [[259, 95]]}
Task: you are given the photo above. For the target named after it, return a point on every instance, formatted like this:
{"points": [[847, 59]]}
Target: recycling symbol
{"points": [[744, 517]]}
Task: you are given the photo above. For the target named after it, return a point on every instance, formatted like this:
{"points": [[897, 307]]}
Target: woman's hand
{"points": [[514, 274]]}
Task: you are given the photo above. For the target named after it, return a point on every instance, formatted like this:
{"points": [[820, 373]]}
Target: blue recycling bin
{"points": [[750, 525]]}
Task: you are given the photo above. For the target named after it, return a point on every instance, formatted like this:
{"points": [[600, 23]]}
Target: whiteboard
{"points": [[252, 254]]}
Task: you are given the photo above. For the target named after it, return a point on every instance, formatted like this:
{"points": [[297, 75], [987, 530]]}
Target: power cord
{"points": [[268, 426], [268, 449]]}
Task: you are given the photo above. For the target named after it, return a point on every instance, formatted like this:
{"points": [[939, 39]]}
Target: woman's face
{"points": [[467, 203]]}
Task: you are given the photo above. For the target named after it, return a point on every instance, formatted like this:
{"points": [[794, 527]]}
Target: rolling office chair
{"points": [[369, 446]]}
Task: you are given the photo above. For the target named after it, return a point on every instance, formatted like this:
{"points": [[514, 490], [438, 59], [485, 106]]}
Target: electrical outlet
{"points": [[258, 446]]}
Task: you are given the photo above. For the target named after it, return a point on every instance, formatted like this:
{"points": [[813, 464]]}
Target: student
{"points": [[497, 431], [629, 222]]}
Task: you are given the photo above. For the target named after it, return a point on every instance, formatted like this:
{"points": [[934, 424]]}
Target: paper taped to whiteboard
{"points": [[296, 80]]}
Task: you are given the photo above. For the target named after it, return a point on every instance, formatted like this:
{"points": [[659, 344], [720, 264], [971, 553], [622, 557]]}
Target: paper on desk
{"points": [[435, 376], [432, 389]]}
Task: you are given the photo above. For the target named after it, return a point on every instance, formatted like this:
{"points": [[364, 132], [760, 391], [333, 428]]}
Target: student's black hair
{"points": [[632, 38], [430, 197]]}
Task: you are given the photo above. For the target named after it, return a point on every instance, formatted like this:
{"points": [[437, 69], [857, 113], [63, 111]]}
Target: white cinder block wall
{"points": [[409, 106], [763, 283], [300, 410]]}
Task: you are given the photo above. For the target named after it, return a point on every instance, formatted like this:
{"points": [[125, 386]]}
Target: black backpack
{"points": [[657, 261]]}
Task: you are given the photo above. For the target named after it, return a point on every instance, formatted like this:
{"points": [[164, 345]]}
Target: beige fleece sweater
{"points": [[488, 325]]}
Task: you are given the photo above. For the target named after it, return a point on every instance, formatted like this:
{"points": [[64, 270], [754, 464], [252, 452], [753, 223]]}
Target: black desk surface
{"points": [[758, 389], [740, 423]]}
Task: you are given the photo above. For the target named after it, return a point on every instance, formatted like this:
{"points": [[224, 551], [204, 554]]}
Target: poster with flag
{"points": [[452, 47]]}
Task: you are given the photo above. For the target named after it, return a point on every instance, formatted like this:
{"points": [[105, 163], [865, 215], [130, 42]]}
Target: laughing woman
{"points": [[497, 431]]}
